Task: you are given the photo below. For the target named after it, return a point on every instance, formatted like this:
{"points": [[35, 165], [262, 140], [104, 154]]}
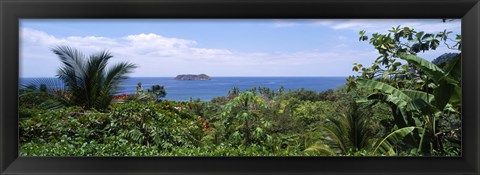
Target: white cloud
{"points": [[283, 23], [158, 55], [210, 53], [340, 46], [383, 25], [36, 36], [89, 41], [148, 40], [342, 37]]}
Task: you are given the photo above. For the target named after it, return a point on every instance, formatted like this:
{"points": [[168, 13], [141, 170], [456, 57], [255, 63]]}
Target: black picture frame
{"points": [[13, 10]]}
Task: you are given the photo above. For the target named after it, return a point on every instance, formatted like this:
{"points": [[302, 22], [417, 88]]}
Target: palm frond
{"points": [[91, 83], [50, 83], [116, 74], [73, 60], [349, 131], [45, 87], [320, 148]]}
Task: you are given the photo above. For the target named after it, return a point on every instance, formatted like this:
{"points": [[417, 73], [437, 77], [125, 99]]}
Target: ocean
{"points": [[205, 90]]}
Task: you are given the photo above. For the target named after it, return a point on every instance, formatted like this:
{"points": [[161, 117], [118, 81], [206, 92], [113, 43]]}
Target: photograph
{"points": [[240, 87]]}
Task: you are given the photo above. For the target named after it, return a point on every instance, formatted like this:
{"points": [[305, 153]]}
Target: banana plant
{"points": [[412, 108], [447, 80], [403, 104]]}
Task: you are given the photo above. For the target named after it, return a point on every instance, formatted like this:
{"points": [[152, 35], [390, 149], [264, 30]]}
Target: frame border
{"points": [[13, 10]]}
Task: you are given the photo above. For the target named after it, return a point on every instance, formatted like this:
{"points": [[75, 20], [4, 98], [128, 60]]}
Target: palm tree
{"points": [[90, 82], [350, 131]]}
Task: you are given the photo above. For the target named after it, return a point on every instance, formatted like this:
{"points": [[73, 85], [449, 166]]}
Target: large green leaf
{"points": [[424, 145], [383, 87], [443, 93], [456, 98], [447, 81], [387, 144], [401, 101], [380, 96], [431, 69], [399, 115], [454, 68], [421, 101], [413, 94], [409, 100], [396, 99], [420, 105]]}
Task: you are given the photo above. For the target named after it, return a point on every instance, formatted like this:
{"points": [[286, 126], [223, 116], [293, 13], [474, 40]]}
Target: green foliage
{"points": [[304, 95], [88, 79], [68, 146], [349, 131], [418, 93], [321, 148], [310, 114], [154, 124], [283, 116], [391, 46], [158, 91], [42, 93], [246, 125], [242, 120]]}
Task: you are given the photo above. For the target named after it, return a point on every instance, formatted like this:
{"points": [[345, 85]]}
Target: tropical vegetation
{"points": [[400, 105]]}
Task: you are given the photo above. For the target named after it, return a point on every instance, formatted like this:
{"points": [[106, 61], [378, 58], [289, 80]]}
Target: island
{"points": [[192, 77]]}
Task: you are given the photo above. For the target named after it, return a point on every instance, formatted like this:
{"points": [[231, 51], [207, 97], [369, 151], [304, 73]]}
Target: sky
{"points": [[216, 47]]}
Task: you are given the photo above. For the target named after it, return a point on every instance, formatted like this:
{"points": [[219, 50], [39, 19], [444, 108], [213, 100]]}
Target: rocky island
{"points": [[192, 77]]}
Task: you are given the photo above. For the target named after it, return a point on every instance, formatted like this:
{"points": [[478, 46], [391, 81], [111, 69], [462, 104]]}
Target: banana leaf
{"points": [[387, 144], [454, 67], [384, 88], [413, 94], [431, 69]]}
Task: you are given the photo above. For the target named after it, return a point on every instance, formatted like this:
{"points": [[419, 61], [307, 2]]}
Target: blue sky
{"points": [[168, 47]]}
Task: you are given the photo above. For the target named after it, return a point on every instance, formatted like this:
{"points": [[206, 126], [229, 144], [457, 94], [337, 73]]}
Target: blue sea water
{"points": [[219, 86]]}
